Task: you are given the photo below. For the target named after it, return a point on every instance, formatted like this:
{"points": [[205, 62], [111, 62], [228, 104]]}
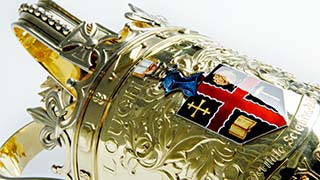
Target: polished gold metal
{"points": [[106, 103]]}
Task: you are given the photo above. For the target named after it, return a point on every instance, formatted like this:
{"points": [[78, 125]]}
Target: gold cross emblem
{"points": [[198, 108]]}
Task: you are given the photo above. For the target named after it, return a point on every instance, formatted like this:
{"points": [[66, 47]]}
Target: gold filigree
{"points": [[204, 60], [57, 117], [138, 129], [157, 140], [88, 45]]}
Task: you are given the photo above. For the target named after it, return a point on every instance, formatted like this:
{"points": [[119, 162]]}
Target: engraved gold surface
{"points": [[142, 138], [117, 123], [148, 153]]}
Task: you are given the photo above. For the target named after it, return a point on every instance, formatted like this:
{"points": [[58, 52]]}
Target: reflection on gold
{"points": [[220, 80], [124, 33], [141, 24], [1, 165], [12, 150], [59, 68]]}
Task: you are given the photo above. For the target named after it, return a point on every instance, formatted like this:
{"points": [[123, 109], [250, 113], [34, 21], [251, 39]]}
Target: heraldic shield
{"points": [[236, 105]]}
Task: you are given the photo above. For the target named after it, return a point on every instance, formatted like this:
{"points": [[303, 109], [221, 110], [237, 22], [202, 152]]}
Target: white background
{"points": [[282, 33]]}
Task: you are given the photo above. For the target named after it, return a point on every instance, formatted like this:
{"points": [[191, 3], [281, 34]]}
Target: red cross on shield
{"points": [[235, 105]]}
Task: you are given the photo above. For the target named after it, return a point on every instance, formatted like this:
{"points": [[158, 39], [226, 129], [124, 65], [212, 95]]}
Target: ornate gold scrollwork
{"points": [[88, 45], [57, 118]]}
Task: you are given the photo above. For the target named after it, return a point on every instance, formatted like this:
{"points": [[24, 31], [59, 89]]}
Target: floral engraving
{"points": [[157, 140]]}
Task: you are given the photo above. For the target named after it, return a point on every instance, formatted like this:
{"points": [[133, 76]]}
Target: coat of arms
{"points": [[231, 103]]}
